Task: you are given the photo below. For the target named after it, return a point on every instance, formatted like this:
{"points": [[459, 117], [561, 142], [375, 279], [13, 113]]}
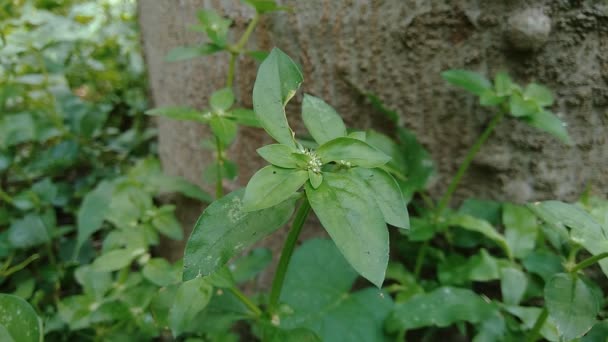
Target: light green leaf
{"points": [[258, 55], [388, 196], [95, 284], [279, 155], [191, 298], [182, 53], [529, 316], [521, 229], [28, 232], [245, 117], [224, 230], [178, 113], [477, 225], [468, 80], [165, 222], [272, 185], [165, 183], [572, 305], [359, 136], [321, 120], [276, 83], [315, 178], [418, 163], [521, 107], [116, 259], [223, 128], [441, 307], [550, 123], [19, 319], [265, 6], [490, 98], [222, 100], [317, 290], [214, 25], [513, 283], [160, 272], [93, 210], [539, 94], [351, 150], [354, 222], [503, 84], [543, 263]]}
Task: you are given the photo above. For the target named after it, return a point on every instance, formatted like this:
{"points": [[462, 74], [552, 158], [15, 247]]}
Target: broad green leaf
{"points": [[222, 100], [317, 290], [572, 305], [598, 333], [351, 150], [165, 222], [247, 267], [354, 222], [29, 231], [407, 284], [245, 117], [215, 25], [513, 283], [521, 229], [116, 259], [272, 185], [93, 210], [224, 230], [315, 178], [277, 80], [529, 316], [223, 128], [543, 263], [503, 84], [279, 155], [539, 94], [321, 120], [550, 123], [19, 320], [178, 113], [182, 53], [5, 335], [441, 307], [388, 196], [474, 224], [265, 6], [190, 299], [521, 107], [358, 135], [483, 209], [16, 129], [491, 329], [468, 80]]}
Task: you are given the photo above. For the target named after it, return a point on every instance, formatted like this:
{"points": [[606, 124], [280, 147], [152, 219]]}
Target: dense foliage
{"points": [[79, 186]]}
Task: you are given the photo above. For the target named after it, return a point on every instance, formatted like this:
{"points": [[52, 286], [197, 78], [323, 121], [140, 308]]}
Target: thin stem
{"points": [[445, 199], [290, 244], [540, 321], [588, 262], [231, 67], [219, 188], [245, 300], [420, 258], [241, 43], [20, 265]]}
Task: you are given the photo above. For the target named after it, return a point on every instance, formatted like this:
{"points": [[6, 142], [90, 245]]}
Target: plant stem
{"points": [[540, 321], [231, 67], [420, 258], [219, 188], [588, 262], [445, 199], [20, 266], [241, 43], [290, 244], [237, 50], [245, 300]]}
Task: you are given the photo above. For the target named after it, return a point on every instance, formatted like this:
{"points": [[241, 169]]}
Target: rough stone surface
{"points": [[396, 50], [529, 29]]}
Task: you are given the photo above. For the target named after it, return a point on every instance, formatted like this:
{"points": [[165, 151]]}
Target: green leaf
{"points": [[513, 283], [245, 117], [116, 259], [351, 150], [550, 123], [273, 334], [529, 316], [503, 84], [222, 100], [265, 6], [598, 333], [247, 267], [474, 224], [572, 305], [490, 98], [543, 263], [315, 178], [272, 185], [165, 222], [215, 26], [95, 284], [16, 129], [539, 94], [321, 120], [182, 53], [223, 128], [165, 183], [258, 55], [191, 298], [28, 232], [160, 272], [317, 291], [354, 222], [521, 229], [224, 230], [388, 196], [441, 307], [457, 270], [279, 155], [19, 320], [521, 107], [178, 113], [418, 163], [93, 210], [276, 83], [467, 80]]}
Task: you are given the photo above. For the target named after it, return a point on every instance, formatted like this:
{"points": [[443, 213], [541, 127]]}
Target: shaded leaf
{"points": [[93, 210], [474, 224], [521, 229], [191, 297], [513, 283]]}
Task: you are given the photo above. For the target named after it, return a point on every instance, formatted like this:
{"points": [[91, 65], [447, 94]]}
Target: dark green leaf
{"points": [[178, 113], [222, 100], [28, 232], [259, 56], [16, 129], [550, 123], [265, 6], [543, 263], [354, 222], [224, 230], [19, 320], [321, 120], [247, 267], [165, 222], [279, 155], [513, 283], [93, 210], [351, 150], [272, 185], [457, 270], [116, 259], [474, 224], [468, 80], [529, 316], [191, 297], [598, 333]]}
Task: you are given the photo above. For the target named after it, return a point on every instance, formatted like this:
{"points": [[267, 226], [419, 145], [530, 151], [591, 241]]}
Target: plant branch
{"points": [[219, 188], [290, 244], [245, 300], [588, 262]]}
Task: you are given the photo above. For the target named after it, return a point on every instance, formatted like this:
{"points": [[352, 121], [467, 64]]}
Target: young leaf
{"points": [[469, 81], [513, 283], [183, 53], [529, 316], [539, 94], [247, 267], [272, 185], [191, 298], [474, 224], [503, 84], [224, 230], [265, 6], [215, 26], [178, 113], [388, 196], [258, 55], [321, 120], [354, 222], [521, 107], [245, 117], [351, 150], [521, 229], [222, 100], [277, 80], [223, 128], [490, 98], [279, 155], [572, 305], [315, 178], [29, 231], [165, 222], [18, 320], [550, 123], [161, 273]]}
